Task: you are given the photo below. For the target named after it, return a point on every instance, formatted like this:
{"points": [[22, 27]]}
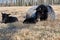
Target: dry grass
{"points": [[43, 30]]}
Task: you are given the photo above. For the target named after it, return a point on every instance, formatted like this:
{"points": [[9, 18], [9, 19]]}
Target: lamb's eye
{"points": [[39, 8]]}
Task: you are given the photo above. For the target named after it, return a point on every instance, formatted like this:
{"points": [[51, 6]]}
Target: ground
{"points": [[42, 30]]}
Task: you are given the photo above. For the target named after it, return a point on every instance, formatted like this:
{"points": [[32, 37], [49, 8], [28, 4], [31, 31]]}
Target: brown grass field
{"points": [[43, 30]]}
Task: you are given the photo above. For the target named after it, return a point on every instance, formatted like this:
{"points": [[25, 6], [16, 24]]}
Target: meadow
{"points": [[42, 30]]}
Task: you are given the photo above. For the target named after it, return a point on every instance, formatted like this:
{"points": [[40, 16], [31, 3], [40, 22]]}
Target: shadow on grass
{"points": [[11, 29]]}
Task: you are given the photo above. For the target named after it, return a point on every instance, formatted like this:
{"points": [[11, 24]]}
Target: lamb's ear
{"points": [[1, 12]]}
